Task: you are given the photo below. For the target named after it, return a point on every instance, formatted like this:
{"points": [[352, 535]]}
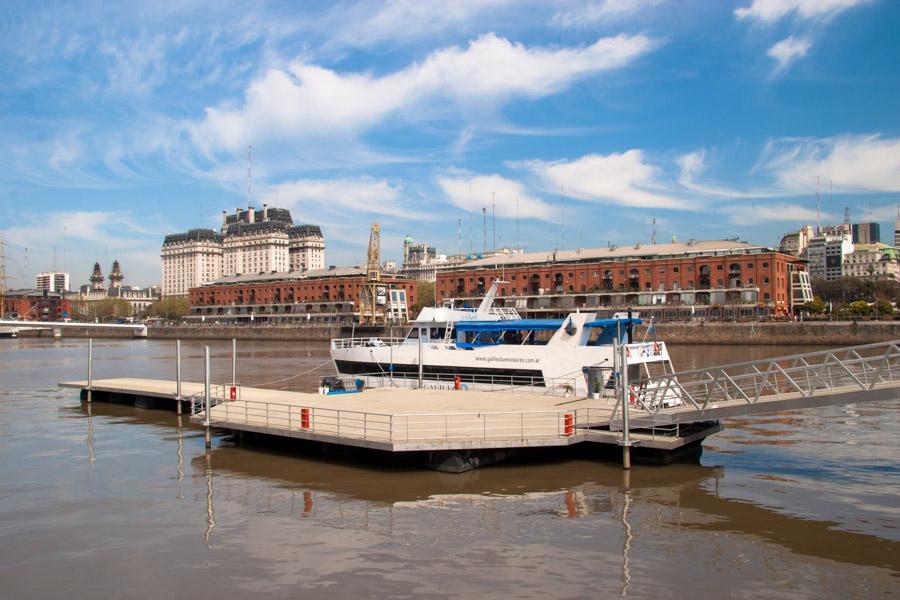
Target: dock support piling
{"points": [[207, 437], [626, 440], [233, 361], [178, 376], [90, 374]]}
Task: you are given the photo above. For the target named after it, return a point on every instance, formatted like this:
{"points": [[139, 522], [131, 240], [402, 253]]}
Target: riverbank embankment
{"points": [[823, 333]]}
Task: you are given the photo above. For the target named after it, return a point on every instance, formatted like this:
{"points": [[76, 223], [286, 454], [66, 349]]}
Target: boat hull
{"points": [[512, 364]]}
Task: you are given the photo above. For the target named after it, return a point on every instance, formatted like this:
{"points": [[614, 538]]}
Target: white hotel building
{"points": [[250, 242]]}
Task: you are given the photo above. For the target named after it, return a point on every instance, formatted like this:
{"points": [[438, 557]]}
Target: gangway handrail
{"points": [[812, 374]]}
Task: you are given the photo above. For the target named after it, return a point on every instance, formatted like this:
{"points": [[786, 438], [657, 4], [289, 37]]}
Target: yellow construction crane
{"points": [[373, 295]]}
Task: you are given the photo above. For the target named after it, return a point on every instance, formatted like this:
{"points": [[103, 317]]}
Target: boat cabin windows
{"points": [[509, 337], [433, 333]]}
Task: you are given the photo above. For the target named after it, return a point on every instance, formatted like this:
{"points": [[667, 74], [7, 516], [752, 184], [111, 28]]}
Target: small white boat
{"points": [[494, 347]]}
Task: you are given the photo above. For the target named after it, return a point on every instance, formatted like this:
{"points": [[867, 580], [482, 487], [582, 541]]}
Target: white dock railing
{"points": [[404, 428]]}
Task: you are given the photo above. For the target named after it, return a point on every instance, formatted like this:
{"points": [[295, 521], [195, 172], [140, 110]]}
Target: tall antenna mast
{"points": [[494, 219], [818, 215], [653, 233], [459, 236], [484, 229], [249, 172]]}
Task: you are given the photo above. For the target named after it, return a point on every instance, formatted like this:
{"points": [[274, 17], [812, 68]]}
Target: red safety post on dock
{"points": [[304, 418], [232, 393], [568, 424]]}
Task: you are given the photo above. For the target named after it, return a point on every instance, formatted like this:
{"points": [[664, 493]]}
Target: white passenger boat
{"points": [[494, 347]]}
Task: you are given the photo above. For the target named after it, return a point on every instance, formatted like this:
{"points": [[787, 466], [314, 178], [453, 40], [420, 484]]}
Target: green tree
{"points": [[101, 310], [859, 308], [424, 297], [884, 308], [816, 306], [170, 307]]}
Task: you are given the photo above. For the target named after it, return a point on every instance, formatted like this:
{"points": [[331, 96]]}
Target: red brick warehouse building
{"points": [[704, 278], [321, 296], [37, 305]]}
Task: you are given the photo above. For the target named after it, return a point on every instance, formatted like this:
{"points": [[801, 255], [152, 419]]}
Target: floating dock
{"points": [[666, 418], [458, 430]]}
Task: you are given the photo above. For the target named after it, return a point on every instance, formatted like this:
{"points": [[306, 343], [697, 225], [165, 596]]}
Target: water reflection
{"points": [[90, 435], [628, 538], [179, 465], [678, 495], [210, 510]]}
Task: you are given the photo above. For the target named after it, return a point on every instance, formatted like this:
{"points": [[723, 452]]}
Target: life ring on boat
{"points": [[656, 348], [456, 382]]}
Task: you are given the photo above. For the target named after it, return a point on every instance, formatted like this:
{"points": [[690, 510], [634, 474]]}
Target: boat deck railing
{"points": [[367, 342], [813, 374], [559, 386]]}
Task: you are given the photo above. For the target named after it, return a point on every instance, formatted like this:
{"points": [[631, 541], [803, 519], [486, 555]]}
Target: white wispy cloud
{"points": [[624, 178], [350, 196], [510, 198], [769, 11], [369, 24], [693, 164], [773, 213], [76, 239], [593, 12], [853, 163], [310, 100], [788, 50], [809, 16]]}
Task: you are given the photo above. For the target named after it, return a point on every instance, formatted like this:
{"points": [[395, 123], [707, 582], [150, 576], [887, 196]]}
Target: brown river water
{"points": [[111, 501]]}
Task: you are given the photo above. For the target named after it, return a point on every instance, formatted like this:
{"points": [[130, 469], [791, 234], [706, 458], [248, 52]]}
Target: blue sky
{"points": [[578, 121]]}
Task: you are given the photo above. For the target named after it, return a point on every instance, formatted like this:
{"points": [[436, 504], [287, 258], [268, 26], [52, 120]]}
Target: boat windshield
{"points": [[473, 334], [604, 331]]}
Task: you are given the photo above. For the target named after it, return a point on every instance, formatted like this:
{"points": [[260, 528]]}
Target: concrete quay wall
{"points": [[310, 333], [822, 333]]}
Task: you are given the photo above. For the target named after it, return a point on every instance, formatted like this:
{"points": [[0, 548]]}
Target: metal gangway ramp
{"points": [[829, 377]]}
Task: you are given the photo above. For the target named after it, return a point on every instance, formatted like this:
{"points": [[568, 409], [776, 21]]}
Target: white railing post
{"points": [[90, 373], [233, 361], [178, 376], [207, 437], [626, 440]]}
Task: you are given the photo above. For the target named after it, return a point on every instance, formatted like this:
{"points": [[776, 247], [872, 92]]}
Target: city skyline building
{"points": [[866, 233], [55, 281], [250, 241], [827, 251]]}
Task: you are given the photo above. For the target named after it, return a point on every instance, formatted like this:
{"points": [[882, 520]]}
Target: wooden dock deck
{"points": [[403, 419]]}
